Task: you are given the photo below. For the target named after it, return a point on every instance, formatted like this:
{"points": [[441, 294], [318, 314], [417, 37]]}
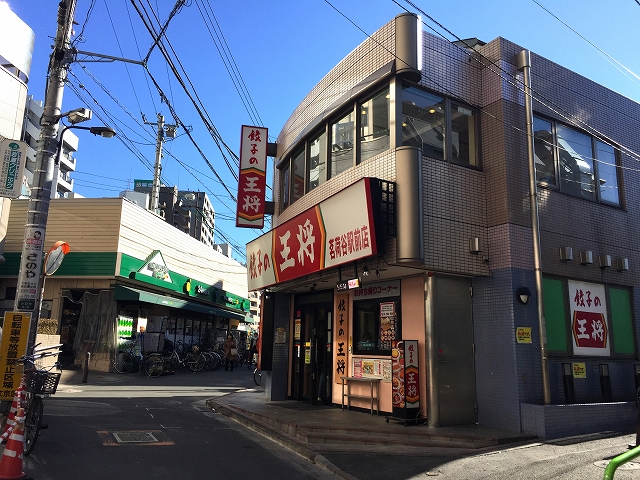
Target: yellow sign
{"points": [[307, 356], [579, 370], [15, 334], [523, 334]]}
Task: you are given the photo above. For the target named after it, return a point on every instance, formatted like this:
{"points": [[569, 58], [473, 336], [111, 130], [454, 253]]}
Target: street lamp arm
{"points": [[106, 132]]}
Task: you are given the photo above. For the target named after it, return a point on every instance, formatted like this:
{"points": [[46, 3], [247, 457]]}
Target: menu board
{"points": [[372, 368]]}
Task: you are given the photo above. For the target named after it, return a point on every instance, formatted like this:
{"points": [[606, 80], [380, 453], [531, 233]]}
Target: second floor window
{"points": [[575, 163]]}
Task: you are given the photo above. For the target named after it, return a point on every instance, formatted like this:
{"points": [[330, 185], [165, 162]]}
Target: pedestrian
{"points": [[253, 349], [230, 352]]}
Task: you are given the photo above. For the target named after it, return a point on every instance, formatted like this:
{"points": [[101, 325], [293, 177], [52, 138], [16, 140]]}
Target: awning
{"points": [[136, 295]]}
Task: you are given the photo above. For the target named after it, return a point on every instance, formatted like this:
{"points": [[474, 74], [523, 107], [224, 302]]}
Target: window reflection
{"points": [[423, 122], [543, 149], [576, 163], [374, 125], [317, 162], [298, 176], [607, 173], [284, 176], [463, 142], [342, 144]]}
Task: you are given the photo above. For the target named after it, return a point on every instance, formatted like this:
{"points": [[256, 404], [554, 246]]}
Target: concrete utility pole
{"points": [[157, 169], [28, 289]]}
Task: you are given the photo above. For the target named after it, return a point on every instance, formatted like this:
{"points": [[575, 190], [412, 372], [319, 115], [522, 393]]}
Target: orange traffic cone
{"points": [[17, 399], [11, 462]]}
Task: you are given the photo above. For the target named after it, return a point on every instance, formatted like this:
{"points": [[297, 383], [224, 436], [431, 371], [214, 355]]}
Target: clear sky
{"points": [[278, 49]]}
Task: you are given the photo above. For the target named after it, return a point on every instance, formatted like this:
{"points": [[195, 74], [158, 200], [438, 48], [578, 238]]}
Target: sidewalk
{"points": [[354, 444]]}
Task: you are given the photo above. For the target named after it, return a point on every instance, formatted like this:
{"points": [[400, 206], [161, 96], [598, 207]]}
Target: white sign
{"points": [[589, 326], [30, 268], [14, 158]]}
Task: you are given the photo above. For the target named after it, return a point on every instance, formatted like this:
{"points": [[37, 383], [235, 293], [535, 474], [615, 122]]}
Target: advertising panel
{"points": [[589, 327], [323, 236], [405, 387], [15, 334], [252, 180], [14, 158]]}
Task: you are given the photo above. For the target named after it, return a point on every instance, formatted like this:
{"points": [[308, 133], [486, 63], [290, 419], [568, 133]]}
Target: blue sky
{"points": [[281, 49]]}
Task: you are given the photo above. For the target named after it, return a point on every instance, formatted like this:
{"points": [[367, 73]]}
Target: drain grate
{"points": [[134, 437]]}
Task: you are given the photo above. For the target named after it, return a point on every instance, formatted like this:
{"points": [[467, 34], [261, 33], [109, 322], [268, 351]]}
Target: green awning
{"points": [[136, 295]]}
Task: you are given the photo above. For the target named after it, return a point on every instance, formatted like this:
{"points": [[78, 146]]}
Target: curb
{"points": [[283, 439]]}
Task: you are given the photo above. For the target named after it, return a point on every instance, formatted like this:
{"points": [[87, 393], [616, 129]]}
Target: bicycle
{"points": [[195, 360], [37, 384], [126, 360], [257, 376]]}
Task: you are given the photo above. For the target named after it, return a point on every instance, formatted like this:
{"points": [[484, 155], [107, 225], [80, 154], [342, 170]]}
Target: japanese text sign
{"points": [[30, 268], [588, 306], [252, 181], [341, 338], [15, 333], [323, 236], [12, 163]]}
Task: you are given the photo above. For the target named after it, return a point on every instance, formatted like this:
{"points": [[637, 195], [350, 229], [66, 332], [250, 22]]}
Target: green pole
{"points": [[619, 460]]}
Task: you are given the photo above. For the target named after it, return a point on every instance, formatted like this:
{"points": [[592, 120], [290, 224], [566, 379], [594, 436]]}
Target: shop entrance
{"points": [[312, 348]]}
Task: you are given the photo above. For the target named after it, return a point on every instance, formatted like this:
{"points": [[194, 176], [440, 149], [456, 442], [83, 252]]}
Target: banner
{"points": [[252, 181], [15, 334]]}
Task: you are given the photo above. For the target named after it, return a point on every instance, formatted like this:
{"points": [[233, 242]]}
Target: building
{"points": [[127, 271], [403, 213], [191, 212], [62, 185], [16, 49]]}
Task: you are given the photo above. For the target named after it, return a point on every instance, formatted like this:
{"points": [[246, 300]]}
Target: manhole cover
{"points": [[624, 466], [134, 437]]}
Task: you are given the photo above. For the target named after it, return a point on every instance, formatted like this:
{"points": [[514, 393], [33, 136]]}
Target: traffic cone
{"points": [[11, 462], [17, 399]]}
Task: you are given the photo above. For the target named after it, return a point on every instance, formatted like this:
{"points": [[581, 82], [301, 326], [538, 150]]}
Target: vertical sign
{"points": [[252, 181], [30, 264], [405, 387], [14, 157], [15, 334], [589, 319], [341, 337]]}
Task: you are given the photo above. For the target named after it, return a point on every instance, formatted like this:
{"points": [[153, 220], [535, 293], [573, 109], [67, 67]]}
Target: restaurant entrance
{"points": [[312, 348]]}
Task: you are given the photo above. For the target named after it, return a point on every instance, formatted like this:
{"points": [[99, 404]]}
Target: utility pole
{"points": [[157, 169], [30, 275]]}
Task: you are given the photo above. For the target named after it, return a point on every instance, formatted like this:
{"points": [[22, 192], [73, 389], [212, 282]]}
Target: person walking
{"points": [[253, 350], [230, 352]]}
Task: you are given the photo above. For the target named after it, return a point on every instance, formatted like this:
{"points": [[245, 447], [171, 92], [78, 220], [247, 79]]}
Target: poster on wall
{"points": [[589, 326]]}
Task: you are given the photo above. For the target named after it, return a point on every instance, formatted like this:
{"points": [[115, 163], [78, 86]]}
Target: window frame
{"points": [[558, 183], [356, 327], [475, 159]]}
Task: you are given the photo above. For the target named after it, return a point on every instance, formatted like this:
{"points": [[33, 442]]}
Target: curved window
{"points": [[342, 144], [298, 176], [317, 162], [374, 125], [543, 151], [576, 163], [607, 173]]}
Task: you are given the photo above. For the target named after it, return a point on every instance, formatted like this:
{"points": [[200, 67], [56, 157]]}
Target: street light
{"points": [[105, 132]]}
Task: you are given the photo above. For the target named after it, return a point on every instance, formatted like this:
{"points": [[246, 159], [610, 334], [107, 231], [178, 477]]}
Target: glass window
{"points": [[607, 173], [587, 167], [576, 162], [463, 135], [374, 125], [317, 162], [342, 144], [298, 176], [373, 333], [284, 179], [423, 122], [543, 151]]}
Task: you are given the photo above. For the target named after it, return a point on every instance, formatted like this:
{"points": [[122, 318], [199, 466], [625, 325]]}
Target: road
{"points": [[130, 426]]}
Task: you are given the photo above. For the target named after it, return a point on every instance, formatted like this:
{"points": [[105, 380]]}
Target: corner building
{"points": [[402, 212]]}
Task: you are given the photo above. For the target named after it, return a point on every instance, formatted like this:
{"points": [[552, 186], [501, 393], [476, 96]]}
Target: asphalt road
{"points": [[128, 426]]}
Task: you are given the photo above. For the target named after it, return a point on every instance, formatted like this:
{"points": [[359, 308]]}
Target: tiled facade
{"points": [[492, 203]]}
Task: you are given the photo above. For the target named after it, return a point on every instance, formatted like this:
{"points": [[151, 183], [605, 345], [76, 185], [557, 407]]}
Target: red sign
{"points": [[589, 329], [252, 181]]}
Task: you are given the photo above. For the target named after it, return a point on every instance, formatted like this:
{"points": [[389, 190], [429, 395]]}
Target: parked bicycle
{"points": [[194, 359], [38, 383], [128, 358], [257, 376]]}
